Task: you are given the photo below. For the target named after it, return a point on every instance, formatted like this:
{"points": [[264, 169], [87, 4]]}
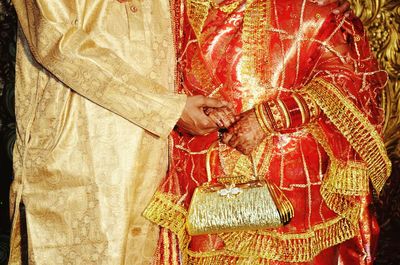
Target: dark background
{"points": [[7, 118], [387, 206]]}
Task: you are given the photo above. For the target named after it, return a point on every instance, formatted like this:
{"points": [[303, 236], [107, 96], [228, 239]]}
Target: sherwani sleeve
{"points": [[79, 60]]}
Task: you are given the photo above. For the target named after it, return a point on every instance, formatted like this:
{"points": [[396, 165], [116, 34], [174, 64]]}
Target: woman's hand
{"points": [[194, 120], [223, 117], [246, 134]]}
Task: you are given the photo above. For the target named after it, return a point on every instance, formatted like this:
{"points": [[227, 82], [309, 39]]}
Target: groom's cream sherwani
{"points": [[95, 103]]}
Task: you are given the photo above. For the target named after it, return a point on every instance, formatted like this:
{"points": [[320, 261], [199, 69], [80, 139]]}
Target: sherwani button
{"points": [[133, 9]]}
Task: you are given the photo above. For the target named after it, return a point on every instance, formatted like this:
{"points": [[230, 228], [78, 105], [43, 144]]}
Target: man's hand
{"points": [[343, 6], [224, 117], [246, 134], [193, 119]]}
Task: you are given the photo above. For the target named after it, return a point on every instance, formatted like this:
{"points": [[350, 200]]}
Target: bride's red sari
{"points": [[248, 52]]}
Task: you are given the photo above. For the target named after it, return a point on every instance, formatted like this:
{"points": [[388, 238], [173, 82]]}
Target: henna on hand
{"points": [[246, 134]]}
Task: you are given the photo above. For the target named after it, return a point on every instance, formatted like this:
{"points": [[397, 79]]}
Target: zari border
{"points": [[164, 211], [242, 247], [348, 178], [255, 38], [355, 127], [344, 177], [197, 12], [342, 182], [261, 246]]}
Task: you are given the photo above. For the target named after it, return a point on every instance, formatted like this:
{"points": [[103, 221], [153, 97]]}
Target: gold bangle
{"points": [[264, 118], [301, 107], [276, 115], [260, 120], [285, 113]]}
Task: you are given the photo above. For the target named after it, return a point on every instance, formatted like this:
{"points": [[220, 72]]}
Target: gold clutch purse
{"points": [[254, 205]]}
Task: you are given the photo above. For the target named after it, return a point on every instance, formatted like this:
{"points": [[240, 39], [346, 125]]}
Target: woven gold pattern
{"points": [[355, 127]]}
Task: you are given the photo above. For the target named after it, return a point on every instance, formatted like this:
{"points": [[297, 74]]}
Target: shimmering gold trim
{"points": [[348, 179], [267, 147], [337, 191], [226, 8], [197, 12], [255, 245], [344, 177], [261, 246], [360, 133], [164, 211], [167, 246], [301, 108], [256, 39], [262, 119]]}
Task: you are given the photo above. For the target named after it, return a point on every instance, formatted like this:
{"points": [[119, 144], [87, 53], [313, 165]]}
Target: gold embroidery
{"points": [[338, 188], [270, 245], [226, 8], [197, 12], [256, 38], [164, 211], [242, 246], [355, 127], [345, 177]]}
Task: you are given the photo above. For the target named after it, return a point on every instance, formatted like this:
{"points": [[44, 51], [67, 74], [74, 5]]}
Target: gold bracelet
{"points": [[285, 113], [260, 120], [266, 120], [276, 115], [301, 107]]}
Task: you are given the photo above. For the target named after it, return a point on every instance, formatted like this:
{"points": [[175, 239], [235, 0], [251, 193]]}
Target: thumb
{"points": [[214, 103]]}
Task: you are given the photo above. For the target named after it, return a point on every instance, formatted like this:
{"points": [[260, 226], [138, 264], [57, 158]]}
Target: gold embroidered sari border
{"points": [[355, 127], [343, 177], [263, 246], [164, 211], [255, 245]]}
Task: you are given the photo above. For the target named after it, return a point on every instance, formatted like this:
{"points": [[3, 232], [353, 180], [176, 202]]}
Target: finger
{"points": [[231, 107], [216, 117], [235, 140], [226, 137], [230, 116], [225, 120], [214, 103], [208, 111], [342, 8], [205, 126]]}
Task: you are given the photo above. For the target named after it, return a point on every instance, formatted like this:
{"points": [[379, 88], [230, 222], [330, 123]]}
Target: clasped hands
{"points": [[203, 115]]}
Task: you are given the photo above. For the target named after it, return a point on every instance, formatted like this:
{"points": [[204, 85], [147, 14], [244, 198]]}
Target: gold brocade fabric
{"points": [[94, 103]]}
